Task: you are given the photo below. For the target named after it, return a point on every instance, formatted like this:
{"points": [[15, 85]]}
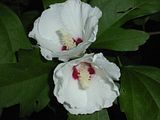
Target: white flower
{"points": [[85, 85], [66, 30]]}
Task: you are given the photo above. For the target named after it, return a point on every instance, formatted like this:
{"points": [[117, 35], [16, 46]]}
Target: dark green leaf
{"points": [[139, 97], [120, 39], [155, 17], [6, 54], [12, 35], [25, 82], [101, 115], [117, 12]]}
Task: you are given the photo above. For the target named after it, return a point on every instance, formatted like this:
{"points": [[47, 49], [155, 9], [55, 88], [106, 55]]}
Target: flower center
{"points": [[83, 73], [67, 41]]}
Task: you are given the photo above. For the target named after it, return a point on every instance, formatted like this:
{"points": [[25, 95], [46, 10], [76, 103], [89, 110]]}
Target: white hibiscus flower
{"points": [[66, 30], [85, 85]]}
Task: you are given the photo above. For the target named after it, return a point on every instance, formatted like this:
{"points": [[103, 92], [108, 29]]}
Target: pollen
{"points": [[82, 73], [67, 41], [84, 76]]}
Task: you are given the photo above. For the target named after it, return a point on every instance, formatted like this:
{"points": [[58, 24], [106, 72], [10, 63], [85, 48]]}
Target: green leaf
{"points": [[119, 39], [100, 115], [25, 82], [12, 35], [139, 94], [6, 54], [117, 12], [155, 17], [46, 3]]}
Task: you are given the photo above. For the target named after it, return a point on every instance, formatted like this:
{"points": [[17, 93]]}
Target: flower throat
{"points": [[67, 41]]}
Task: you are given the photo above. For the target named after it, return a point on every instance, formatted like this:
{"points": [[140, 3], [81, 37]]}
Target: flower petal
{"points": [[101, 94], [67, 89], [71, 17], [110, 68], [47, 54], [90, 21], [77, 19], [50, 23]]}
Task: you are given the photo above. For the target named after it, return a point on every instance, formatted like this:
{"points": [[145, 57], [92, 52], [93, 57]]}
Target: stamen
{"points": [[83, 72], [78, 41], [67, 41]]}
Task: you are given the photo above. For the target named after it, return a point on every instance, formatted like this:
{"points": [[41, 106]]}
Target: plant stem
{"points": [[154, 33], [119, 62]]}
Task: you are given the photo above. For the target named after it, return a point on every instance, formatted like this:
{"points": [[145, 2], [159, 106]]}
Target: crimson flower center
{"points": [[83, 73]]}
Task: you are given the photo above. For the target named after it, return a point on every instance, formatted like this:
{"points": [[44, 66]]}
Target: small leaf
{"points": [[119, 39], [139, 97], [12, 35], [25, 82], [100, 115]]}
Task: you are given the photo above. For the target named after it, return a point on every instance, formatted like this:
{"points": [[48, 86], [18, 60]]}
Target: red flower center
{"points": [[77, 42], [76, 70]]}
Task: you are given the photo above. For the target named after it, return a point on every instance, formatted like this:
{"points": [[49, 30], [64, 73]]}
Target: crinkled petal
{"points": [[50, 23], [34, 31], [110, 68], [75, 52], [90, 21], [67, 89], [77, 18], [47, 54], [71, 17], [42, 41], [101, 94]]}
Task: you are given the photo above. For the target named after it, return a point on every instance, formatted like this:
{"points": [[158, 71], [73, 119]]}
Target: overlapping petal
{"points": [[101, 92], [76, 19]]}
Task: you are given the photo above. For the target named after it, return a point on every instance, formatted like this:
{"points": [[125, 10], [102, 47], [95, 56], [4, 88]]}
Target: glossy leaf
{"points": [[25, 83], [118, 12], [119, 39], [100, 115], [139, 97], [12, 35]]}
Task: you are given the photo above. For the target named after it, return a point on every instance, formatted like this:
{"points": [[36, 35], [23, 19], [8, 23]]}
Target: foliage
{"points": [[25, 75], [140, 86], [100, 115]]}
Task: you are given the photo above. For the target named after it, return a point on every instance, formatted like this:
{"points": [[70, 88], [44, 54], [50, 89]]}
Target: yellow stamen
{"points": [[66, 39], [84, 76]]}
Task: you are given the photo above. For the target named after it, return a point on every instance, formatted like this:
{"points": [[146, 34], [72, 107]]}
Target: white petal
{"points": [[34, 31], [71, 17], [46, 53], [67, 89], [50, 23], [110, 68], [100, 94], [75, 52], [90, 21], [42, 41]]}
